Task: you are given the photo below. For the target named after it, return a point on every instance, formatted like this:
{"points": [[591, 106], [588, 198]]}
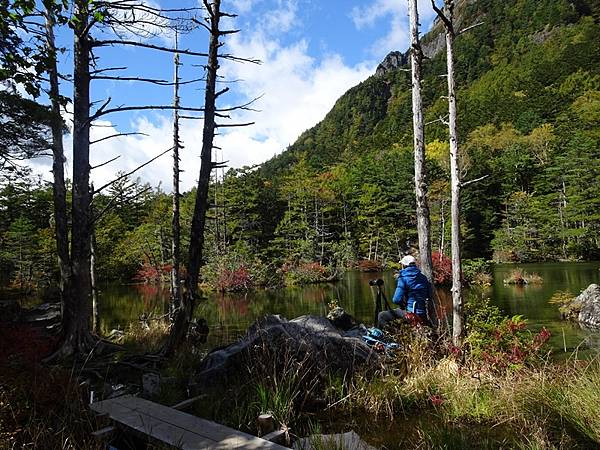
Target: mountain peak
{"points": [[392, 61]]}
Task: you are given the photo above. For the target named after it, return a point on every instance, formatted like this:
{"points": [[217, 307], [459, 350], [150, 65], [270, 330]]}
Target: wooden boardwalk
{"points": [[177, 428]]}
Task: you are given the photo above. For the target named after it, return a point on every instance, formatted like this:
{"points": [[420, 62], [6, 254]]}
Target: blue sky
{"points": [[311, 52]]}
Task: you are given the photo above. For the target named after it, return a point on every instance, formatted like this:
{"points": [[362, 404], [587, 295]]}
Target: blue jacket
{"points": [[413, 287]]}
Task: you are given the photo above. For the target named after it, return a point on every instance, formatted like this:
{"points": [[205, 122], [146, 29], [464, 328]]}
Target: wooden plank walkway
{"points": [[177, 428]]}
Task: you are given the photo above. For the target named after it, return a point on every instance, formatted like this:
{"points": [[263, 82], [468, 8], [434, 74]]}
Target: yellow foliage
{"points": [[439, 151], [493, 138], [540, 141], [587, 107]]}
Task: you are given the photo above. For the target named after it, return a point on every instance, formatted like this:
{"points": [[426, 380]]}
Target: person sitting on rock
{"points": [[413, 291]]}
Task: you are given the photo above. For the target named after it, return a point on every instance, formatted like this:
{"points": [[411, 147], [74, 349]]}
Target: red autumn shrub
{"points": [[238, 279], [152, 274], [442, 268], [369, 265], [304, 273]]}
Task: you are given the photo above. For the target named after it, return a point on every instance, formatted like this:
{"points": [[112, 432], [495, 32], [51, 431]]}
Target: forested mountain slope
{"points": [[529, 106]]}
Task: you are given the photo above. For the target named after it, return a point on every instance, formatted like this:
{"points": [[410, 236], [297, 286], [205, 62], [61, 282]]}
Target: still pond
{"points": [[230, 314]]}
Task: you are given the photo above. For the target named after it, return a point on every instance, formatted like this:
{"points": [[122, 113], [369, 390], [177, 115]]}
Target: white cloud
{"points": [[397, 36], [244, 6], [298, 89], [155, 137]]}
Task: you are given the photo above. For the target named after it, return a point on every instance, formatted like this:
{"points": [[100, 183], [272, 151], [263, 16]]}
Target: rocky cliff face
{"points": [[392, 61], [433, 43]]}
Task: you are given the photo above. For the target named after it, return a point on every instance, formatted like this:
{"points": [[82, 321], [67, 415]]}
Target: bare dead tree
{"points": [[94, 281], [447, 18], [175, 245], [184, 314], [59, 191], [423, 219], [77, 312]]}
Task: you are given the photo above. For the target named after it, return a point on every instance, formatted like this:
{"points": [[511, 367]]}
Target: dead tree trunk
{"points": [[423, 220], [185, 312], [77, 312], [175, 246], [447, 17], [59, 190], [94, 281]]}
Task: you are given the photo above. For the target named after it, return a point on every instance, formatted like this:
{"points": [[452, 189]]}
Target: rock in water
{"points": [[309, 341], [589, 315]]}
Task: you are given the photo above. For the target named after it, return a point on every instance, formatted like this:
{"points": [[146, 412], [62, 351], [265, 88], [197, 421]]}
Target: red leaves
{"points": [[234, 279], [152, 274], [369, 265], [442, 268], [436, 400], [513, 345]]}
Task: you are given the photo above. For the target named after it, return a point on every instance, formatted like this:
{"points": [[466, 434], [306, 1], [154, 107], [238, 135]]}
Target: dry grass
{"points": [[149, 338]]}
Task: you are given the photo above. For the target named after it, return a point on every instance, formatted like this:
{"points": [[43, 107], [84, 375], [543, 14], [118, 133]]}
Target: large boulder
{"points": [[589, 302], [309, 343]]}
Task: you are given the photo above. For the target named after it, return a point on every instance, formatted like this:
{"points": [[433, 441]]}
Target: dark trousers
{"points": [[387, 316]]}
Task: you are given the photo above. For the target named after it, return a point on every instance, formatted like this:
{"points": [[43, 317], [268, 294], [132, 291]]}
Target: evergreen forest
{"points": [[342, 196]]}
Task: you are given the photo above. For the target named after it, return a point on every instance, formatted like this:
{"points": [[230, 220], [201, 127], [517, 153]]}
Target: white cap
{"points": [[408, 260]]}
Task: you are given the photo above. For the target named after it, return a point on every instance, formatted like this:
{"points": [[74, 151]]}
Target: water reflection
{"points": [[230, 314]]}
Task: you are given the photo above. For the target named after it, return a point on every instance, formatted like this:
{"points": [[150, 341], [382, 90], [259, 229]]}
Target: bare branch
{"points": [[146, 80], [226, 32], [464, 30], [466, 183], [107, 42], [106, 162], [244, 107], [232, 125], [231, 57], [442, 16], [117, 135], [143, 108], [434, 121], [202, 24], [94, 72], [100, 110], [221, 92], [192, 117], [131, 172]]}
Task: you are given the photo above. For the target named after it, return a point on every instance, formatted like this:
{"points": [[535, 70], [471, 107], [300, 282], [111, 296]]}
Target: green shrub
{"points": [[477, 271]]}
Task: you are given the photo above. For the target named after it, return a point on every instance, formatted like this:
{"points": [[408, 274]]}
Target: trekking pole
{"points": [[378, 282]]}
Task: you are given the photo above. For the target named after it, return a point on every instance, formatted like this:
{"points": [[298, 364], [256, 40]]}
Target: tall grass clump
{"points": [[285, 384], [521, 277]]}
